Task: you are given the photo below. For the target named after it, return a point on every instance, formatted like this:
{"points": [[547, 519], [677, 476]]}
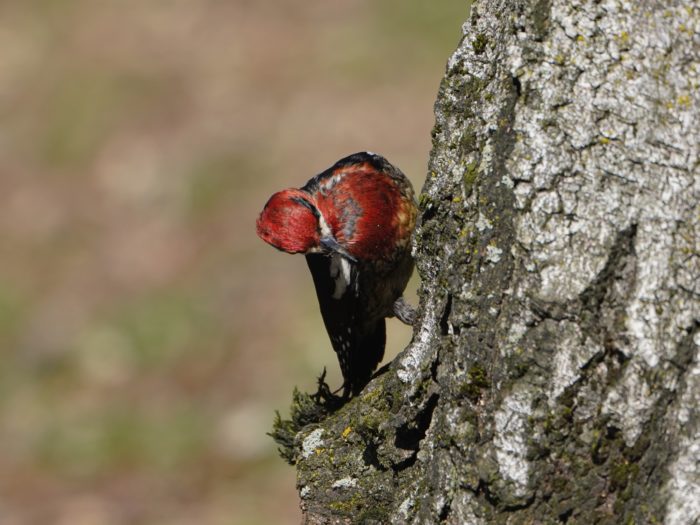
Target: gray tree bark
{"points": [[553, 375]]}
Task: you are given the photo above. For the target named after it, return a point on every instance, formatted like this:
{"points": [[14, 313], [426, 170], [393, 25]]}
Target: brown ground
{"points": [[147, 335]]}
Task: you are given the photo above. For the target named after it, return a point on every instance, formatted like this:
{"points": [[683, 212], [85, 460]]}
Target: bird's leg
{"points": [[404, 311]]}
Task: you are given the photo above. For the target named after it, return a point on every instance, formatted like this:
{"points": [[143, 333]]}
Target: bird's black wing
{"points": [[358, 342]]}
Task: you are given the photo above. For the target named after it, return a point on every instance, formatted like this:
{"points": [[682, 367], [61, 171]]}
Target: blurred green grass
{"points": [[146, 334]]}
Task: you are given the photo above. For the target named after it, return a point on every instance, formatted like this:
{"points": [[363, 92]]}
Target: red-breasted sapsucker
{"points": [[354, 223]]}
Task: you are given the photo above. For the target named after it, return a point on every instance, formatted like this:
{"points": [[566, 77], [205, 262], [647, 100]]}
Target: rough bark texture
{"points": [[553, 375]]}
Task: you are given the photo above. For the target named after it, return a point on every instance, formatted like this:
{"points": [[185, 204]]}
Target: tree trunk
{"points": [[553, 374]]}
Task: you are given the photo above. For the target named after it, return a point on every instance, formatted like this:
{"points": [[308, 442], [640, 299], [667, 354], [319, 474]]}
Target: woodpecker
{"points": [[353, 222]]}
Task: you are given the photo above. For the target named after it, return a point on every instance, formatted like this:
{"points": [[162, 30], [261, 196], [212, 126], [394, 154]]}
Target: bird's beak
{"points": [[329, 244]]}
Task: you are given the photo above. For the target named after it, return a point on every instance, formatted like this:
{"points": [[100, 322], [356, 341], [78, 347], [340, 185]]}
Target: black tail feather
{"points": [[367, 353]]}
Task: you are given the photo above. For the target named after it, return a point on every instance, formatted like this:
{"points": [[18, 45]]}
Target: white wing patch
{"points": [[325, 229], [340, 273]]}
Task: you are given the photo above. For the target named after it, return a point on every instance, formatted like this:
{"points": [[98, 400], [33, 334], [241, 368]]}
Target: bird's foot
{"points": [[404, 311]]}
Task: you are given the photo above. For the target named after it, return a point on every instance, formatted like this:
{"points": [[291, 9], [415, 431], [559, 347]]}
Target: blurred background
{"points": [[146, 334]]}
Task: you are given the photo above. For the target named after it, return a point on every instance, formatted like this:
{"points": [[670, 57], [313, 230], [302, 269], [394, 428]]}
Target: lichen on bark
{"points": [[553, 371]]}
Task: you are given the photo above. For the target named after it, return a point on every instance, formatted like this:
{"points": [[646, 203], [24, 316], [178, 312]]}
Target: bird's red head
{"points": [[290, 222]]}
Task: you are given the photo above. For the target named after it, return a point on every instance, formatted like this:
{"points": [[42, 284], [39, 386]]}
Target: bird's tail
{"points": [[366, 353]]}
